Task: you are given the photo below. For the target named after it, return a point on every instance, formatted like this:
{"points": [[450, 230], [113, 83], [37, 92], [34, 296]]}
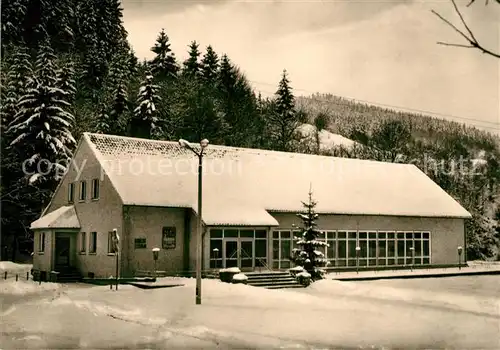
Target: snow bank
{"points": [[422, 297], [231, 269], [240, 277], [14, 267], [26, 287]]}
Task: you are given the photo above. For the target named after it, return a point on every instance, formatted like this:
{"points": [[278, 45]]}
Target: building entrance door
{"points": [[62, 251], [239, 252]]}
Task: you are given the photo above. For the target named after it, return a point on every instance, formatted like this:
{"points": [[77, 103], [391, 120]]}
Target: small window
{"points": [[41, 242], [71, 192], [95, 189], [83, 242], [140, 243], [168, 238], [83, 190], [93, 243]]}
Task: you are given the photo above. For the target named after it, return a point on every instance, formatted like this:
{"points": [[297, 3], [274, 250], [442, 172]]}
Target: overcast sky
{"points": [[380, 51]]}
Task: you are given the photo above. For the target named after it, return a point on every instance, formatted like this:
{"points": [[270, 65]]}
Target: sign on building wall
{"points": [[168, 238]]}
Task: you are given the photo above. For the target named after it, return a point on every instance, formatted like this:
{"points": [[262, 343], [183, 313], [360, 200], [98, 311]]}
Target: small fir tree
{"points": [[164, 64], [308, 255], [191, 66], [145, 114], [209, 65]]}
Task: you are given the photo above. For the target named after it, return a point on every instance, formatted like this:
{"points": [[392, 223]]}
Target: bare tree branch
{"points": [[470, 38]]}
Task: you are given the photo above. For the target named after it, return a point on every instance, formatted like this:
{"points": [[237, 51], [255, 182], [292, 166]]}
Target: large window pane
{"points": [[214, 233], [418, 247], [231, 233], [381, 249], [391, 249], [285, 234], [426, 248], [372, 249], [260, 234], [286, 251], [216, 248], [247, 233], [409, 245], [363, 244], [331, 249], [276, 249], [351, 249], [401, 248], [260, 248], [342, 249]]}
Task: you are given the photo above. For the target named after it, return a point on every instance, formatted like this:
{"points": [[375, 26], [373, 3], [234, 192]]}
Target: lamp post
{"points": [[155, 251], [203, 145], [216, 256], [358, 248], [116, 248], [412, 258], [459, 257]]}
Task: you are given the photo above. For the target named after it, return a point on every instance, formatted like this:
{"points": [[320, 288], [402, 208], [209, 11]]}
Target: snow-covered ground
{"points": [[328, 314], [327, 139]]}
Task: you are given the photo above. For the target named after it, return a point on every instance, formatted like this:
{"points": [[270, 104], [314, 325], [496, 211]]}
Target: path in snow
{"points": [[330, 314]]}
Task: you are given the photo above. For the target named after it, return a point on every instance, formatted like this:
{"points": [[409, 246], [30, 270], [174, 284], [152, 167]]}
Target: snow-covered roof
{"points": [[240, 186], [63, 217]]}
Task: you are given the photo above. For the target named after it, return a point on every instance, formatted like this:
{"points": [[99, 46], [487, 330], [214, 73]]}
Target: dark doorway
{"points": [[62, 251]]}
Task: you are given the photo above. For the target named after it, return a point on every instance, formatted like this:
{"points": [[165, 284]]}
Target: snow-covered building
{"points": [[147, 191]]}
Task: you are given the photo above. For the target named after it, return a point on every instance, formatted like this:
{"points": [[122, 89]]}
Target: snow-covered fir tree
{"points": [[66, 80], [41, 129], [164, 64], [209, 65], [145, 114], [192, 66], [309, 255], [284, 121], [103, 122]]}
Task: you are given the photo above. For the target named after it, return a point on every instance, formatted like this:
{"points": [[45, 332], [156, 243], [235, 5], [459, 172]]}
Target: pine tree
{"points": [[66, 80], [283, 123], [145, 115], [41, 129], [164, 64], [12, 15], [308, 256], [191, 66], [209, 66]]}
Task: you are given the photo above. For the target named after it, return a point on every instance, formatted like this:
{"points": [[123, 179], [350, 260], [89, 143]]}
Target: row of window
{"points": [[82, 194], [359, 248]]}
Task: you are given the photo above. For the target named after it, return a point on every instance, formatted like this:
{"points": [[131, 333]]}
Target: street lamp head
{"points": [[459, 249], [204, 143], [358, 249], [183, 143]]}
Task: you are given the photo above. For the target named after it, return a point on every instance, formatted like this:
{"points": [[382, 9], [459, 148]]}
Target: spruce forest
{"points": [[68, 68]]}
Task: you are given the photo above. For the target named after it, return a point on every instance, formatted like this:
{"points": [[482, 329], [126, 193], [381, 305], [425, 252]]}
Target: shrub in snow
{"points": [[240, 278], [304, 278], [226, 275], [295, 270], [308, 255]]}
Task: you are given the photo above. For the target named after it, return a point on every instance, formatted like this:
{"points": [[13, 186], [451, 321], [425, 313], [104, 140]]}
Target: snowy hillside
{"points": [[326, 139]]}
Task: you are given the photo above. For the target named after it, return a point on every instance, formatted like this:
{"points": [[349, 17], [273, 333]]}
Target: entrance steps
{"points": [[272, 280], [68, 274]]}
